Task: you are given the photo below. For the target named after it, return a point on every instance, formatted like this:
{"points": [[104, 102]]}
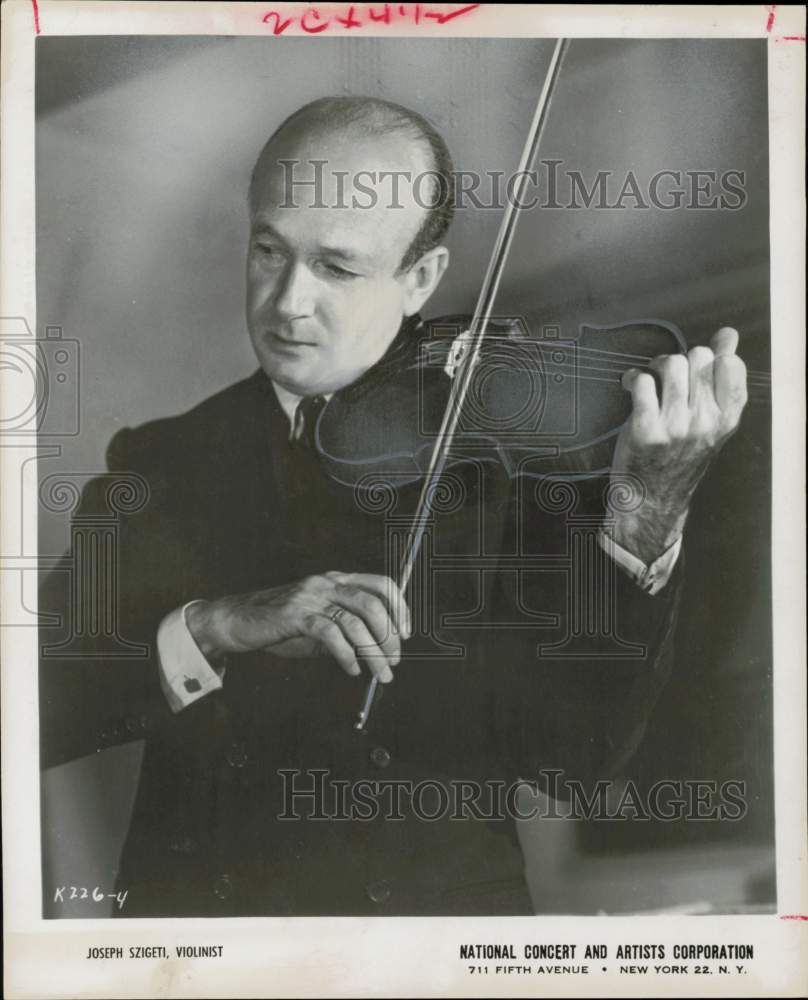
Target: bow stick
{"points": [[477, 330]]}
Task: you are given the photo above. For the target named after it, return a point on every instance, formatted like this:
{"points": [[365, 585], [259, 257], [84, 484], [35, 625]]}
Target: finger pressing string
{"points": [[643, 392], [724, 342]]}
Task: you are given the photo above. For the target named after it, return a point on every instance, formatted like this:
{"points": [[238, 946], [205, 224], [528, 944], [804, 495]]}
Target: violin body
{"points": [[539, 406]]}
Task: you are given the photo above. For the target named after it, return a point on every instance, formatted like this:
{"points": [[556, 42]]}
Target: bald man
{"points": [[265, 589]]}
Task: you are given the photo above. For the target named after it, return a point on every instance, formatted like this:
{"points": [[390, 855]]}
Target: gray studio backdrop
{"points": [[144, 148]]}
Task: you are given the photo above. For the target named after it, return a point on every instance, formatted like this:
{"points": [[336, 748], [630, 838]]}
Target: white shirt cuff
{"points": [[650, 578], [185, 674]]}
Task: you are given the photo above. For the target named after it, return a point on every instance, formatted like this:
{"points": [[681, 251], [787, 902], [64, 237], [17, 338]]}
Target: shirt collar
{"points": [[288, 401]]}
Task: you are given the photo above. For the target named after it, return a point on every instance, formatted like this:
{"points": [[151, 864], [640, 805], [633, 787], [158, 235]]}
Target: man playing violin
{"points": [[270, 589]]}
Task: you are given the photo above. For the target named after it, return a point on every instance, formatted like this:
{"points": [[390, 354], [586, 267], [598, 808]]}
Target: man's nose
{"points": [[294, 293]]}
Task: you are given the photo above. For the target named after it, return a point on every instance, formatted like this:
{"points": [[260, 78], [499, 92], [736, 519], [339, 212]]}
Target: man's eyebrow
{"points": [[343, 253], [323, 249], [264, 229]]}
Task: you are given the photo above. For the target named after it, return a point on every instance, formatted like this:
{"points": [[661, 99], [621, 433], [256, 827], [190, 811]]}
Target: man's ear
{"points": [[423, 278]]}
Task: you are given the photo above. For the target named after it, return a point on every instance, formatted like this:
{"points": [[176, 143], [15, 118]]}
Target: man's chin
{"points": [[294, 375]]}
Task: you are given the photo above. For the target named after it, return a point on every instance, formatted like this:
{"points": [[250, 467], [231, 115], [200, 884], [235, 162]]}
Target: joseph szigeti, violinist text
{"points": [[261, 584]]}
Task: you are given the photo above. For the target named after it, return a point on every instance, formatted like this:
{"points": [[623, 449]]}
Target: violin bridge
{"points": [[458, 353]]}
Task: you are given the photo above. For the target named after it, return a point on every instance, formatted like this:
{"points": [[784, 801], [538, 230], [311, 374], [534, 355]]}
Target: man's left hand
{"points": [[671, 436]]}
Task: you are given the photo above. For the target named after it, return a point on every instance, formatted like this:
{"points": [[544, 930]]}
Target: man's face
{"points": [[324, 294]]}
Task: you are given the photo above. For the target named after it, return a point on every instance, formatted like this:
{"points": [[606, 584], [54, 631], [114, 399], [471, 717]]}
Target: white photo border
{"points": [[410, 956]]}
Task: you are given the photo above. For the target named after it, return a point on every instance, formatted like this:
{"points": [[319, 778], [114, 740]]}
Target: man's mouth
{"points": [[288, 343]]}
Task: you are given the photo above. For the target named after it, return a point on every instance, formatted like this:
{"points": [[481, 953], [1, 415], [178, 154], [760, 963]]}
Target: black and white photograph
{"points": [[394, 507]]}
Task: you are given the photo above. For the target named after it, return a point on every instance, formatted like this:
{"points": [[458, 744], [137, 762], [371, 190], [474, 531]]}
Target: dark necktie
{"points": [[307, 487], [308, 411]]}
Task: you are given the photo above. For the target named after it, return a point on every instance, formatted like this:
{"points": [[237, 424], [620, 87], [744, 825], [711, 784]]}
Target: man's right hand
{"points": [[354, 617]]}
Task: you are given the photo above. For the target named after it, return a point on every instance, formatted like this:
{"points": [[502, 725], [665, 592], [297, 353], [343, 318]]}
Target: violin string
{"points": [[641, 361], [575, 375], [597, 353], [617, 373], [622, 354], [754, 378], [578, 377], [634, 360]]}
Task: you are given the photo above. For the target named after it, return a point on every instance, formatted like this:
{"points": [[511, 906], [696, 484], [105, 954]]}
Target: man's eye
{"points": [[267, 251], [335, 271]]}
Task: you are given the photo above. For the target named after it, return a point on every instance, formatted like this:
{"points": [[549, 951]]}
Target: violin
{"points": [[535, 405], [488, 389]]}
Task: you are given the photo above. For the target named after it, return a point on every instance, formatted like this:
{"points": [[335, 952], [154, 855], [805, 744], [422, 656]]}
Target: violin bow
{"points": [[477, 331]]}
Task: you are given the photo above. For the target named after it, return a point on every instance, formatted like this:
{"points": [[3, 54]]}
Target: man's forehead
{"points": [[351, 146], [344, 166], [349, 196]]}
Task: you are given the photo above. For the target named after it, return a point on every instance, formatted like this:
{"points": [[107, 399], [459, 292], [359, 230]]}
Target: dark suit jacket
{"points": [[228, 513]]}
